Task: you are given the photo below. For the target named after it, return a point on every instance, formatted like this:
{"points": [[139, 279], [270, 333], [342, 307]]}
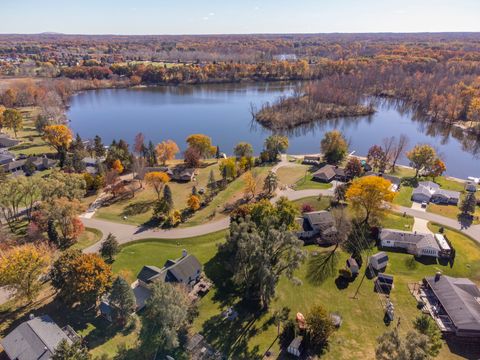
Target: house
{"points": [[320, 224], [415, 243], [329, 173], [427, 191], [454, 304], [311, 160], [295, 347], [6, 157], [396, 182], [13, 166], [178, 173], [470, 186], [199, 349], [6, 141], [353, 266], [42, 163], [38, 163], [378, 261], [36, 339]]}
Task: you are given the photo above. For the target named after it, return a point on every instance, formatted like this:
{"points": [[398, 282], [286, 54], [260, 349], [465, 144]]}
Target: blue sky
{"points": [[245, 16]]}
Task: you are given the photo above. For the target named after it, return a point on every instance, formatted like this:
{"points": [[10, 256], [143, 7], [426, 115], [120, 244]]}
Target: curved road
{"points": [[127, 233]]}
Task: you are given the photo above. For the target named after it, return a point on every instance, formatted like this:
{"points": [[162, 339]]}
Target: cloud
{"points": [[211, 14], [205, 18]]}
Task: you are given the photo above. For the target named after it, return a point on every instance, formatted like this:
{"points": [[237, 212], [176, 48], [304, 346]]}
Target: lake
{"points": [[223, 113]]}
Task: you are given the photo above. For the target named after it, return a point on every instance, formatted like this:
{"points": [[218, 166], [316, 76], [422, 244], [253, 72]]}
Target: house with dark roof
{"points": [[428, 191], [415, 243], [329, 173], [178, 173], [454, 303], [319, 225], [36, 339], [6, 157], [6, 141]]}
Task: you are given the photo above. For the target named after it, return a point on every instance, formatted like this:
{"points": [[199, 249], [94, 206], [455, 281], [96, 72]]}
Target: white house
{"points": [[418, 244], [427, 191]]}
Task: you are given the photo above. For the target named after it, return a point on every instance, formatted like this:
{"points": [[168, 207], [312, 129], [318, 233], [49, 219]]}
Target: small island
{"points": [[320, 101]]}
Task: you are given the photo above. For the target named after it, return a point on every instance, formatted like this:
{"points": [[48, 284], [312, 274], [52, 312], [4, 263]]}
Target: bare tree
{"points": [[398, 149]]}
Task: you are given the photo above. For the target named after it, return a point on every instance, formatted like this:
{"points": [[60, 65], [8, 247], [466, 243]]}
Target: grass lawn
{"points": [[89, 237], [289, 175], [397, 221], [314, 202], [404, 196], [307, 183], [139, 209], [449, 184], [402, 171], [31, 141], [451, 211]]}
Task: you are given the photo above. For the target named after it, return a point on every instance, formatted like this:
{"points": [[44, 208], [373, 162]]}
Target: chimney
{"points": [[31, 316], [184, 253], [438, 274]]}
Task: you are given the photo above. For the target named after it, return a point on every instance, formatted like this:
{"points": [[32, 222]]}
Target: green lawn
{"points": [[89, 237], [253, 333], [451, 211], [290, 175], [404, 196], [307, 183], [398, 221], [315, 202]]}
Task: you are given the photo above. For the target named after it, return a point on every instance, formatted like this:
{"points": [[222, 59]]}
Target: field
{"points": [[307, 183], [253, 333], [289, 175]]}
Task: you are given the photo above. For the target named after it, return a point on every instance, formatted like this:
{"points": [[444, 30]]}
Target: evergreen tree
{"points": [[74, 351], [468, 204], [194, 191], [168, 198], [77, 163], [212, 183], [271, 182], [110, 247], [52, 232], [98, 146], [152, 154], [122, 299], [217, 153]]}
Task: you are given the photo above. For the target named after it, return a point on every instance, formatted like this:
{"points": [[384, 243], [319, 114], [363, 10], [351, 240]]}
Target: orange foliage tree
{"points": [[166, 151], [58, 136], [368, 195], [157, 180], [193, 202], [117, 166]]}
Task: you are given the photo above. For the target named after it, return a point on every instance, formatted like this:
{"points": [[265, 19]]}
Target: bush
{"points": [[345, 273]]}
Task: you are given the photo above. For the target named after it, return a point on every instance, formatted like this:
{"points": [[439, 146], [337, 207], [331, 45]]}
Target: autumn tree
{"points": [[271, 182], [80, 277], [12, 119], [139, 143], [353, 168], [193, 202], [192, 157], [21, 268], [334, 147], [202, 144], [436, 168], [250, 185], [63, 213], [157, 180], [117, 166], [319, 327], [228, 168], [243, 150], [122, 299], [59, 184], [275, 145], [421, 157], [166, 151], [58, 136], [368, 196], [377, 158], [73, 351]]}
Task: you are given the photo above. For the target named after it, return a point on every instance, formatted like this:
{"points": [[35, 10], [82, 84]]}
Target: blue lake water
{"points": [[223, 113]]}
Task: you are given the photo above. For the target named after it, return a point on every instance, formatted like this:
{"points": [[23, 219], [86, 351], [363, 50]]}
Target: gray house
{"points": [[6, 157], [428, 191], [329, 173], [36, 339], [396, 182], [6, 141], [317, 224], [415, 243], [454, 303]]}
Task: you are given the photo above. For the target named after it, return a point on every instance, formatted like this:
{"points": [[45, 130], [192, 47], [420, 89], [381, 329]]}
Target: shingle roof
{"points": [[407, 237], [34, 339], [185, 268], [148, 273], [460, 298]]}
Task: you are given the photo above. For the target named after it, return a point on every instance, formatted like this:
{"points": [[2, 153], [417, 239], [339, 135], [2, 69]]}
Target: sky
{"points": [[158, 17]]}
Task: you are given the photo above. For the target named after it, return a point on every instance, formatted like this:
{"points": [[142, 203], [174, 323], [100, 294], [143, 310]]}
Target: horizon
{"points": [[212, 17]]}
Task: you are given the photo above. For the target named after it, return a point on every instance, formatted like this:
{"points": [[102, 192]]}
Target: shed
{"points": [[353, 266], [470, 186], [295, 347], [384, 283], [378, 261]]}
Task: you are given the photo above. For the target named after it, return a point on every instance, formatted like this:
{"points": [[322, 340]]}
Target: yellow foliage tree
{"points": [[250, 185], [21, 268], [368, 196], [157, 180], [193, 202], [58, 136], [117, 166], [166, 151], [201, 143]]}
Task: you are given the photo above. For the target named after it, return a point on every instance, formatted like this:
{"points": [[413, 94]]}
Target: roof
{"points": [[408, 237], [429, 184], [182, 269], [328, 172], [148, 273], [14, 165], [379, 255], [460, 298], [34, 339], [296, 343], [447, 193], [393, 179], [319, 218]]}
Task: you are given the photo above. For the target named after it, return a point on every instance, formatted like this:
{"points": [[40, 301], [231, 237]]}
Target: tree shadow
{"points": [[465, 349], [465, 220], [137, 208], [321, 267]]}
